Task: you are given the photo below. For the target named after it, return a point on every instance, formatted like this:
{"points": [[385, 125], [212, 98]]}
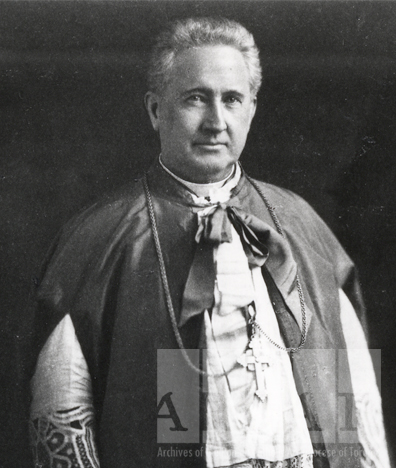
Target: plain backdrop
{"points": [[73, 126]]}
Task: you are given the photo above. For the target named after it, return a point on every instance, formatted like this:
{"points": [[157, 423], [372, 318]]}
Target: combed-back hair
{"points": [[198, 32]]}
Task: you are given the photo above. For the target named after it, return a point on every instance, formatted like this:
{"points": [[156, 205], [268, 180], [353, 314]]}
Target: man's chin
{"points": [[202, 166]]}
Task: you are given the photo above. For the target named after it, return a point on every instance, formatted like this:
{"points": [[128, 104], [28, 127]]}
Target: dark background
{"points": [[73, 126]]}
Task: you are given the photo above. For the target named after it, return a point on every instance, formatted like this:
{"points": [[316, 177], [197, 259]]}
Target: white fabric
{"points": [[240, 426], [370, 425], [61, 380]]}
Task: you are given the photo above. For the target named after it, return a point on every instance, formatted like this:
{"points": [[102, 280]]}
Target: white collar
{"points": [[215, 192]]}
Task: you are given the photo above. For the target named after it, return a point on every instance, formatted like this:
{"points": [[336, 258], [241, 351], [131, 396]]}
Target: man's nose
{"points": [[215, 118]]}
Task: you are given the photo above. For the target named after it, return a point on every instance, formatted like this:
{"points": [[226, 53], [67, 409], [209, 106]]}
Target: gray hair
{"points": [[198, 32]]}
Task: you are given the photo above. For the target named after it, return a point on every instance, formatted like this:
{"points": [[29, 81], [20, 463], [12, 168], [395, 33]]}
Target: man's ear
{"points": [[151, 101]]}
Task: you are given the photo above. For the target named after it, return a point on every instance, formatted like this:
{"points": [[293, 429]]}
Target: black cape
{"points": [[104, 272]]}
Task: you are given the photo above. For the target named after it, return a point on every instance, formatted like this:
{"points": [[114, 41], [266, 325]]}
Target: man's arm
{"points": [[62, 422]]}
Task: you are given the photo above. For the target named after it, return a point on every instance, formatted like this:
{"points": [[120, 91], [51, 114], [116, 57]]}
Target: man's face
{"points": [[204, 114]]}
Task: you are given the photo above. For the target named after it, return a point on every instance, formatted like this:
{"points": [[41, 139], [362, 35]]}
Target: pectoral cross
{"points": [[254, 360]]}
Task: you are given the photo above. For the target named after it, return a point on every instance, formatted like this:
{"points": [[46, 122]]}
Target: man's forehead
{"points": [[208, 68]]}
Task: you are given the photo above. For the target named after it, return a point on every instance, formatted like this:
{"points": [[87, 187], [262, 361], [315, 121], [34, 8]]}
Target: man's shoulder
{"points": [[298, 218], [111, 213], [306, 231], [285, 200]]}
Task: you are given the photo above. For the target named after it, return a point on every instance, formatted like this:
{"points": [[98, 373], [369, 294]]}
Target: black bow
{"points": [[215, 228]]}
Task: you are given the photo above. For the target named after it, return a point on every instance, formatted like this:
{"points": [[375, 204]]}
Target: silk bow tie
{"points": [[215, 228]]}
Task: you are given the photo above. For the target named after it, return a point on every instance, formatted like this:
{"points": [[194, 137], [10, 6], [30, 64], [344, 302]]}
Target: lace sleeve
{"points": [[64, 439], [369, 418], [62, 420]]}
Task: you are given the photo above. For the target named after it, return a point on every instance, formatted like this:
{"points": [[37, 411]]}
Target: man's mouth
{"points": [[210, 144]]}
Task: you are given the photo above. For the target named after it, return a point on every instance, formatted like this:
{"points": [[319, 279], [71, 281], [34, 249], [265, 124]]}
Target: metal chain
{"points": [[164, 279], [168, 296], [279, 228]]}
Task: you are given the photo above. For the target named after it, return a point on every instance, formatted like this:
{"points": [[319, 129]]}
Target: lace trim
{"points": [[64, 439], [299, 461]]}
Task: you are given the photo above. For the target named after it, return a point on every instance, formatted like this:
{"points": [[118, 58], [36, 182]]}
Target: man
{"points": [[198, 256]]}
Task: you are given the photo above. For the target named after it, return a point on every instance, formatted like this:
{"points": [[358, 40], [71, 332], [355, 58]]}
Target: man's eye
{"points": [[232, 100], [196, 98]]}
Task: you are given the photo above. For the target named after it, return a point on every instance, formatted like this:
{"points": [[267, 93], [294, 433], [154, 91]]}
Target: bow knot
{"points": [[215, 227]]}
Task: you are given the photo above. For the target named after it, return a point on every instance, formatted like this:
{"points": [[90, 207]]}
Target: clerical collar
{"points": [[215, 192]]}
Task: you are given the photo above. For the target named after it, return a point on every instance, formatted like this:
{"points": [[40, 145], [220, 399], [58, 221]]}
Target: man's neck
{"points": [[207, 190]]}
